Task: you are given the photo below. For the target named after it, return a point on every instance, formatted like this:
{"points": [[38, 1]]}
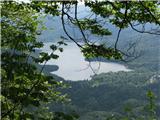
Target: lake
{"points": [[73, 66]]}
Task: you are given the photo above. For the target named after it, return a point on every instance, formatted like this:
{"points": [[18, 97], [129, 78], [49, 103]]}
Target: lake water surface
{"points": [[72, 64]]}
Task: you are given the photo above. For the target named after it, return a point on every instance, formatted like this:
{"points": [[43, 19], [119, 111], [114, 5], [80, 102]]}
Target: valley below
{"points": [[101, 88], [73, 66]]}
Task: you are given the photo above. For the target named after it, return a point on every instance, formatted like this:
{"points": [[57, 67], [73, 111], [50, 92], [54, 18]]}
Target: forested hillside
{"points": [[34, 36], [112, 92]]}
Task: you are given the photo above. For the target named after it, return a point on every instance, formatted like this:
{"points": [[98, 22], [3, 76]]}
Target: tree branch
{"points": [[79, 25], [64, 28]]}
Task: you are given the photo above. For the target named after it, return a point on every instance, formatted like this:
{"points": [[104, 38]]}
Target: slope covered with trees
{"points": [[28, 92]]}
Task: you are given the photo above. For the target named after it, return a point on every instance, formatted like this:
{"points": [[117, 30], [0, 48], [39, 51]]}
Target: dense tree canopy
{"points": [[26, 90], [122, 14], [24, 86]]}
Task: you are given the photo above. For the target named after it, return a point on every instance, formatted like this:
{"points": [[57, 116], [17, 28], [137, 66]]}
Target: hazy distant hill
{"points": [[110, 91]]}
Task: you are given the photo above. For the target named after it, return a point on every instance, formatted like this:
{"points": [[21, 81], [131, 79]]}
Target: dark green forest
{"points": [[123, 32]]}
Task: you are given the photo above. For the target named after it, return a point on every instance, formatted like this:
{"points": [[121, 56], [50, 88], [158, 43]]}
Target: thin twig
{"points": [[64, 28]]}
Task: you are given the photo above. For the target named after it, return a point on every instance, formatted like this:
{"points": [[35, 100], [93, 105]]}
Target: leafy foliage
{"points": [[93, 26], [94, 51], [26, 90], [114, 11], [23, 85]]}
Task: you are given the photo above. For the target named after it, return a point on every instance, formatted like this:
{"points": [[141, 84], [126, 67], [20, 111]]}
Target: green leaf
{"points": [[54, 56]]}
